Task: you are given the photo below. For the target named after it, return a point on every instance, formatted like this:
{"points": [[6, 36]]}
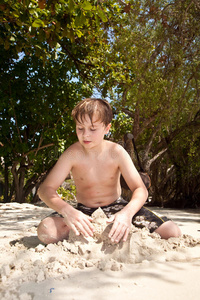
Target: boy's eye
{"points": [[92, 129], [80, 128]]}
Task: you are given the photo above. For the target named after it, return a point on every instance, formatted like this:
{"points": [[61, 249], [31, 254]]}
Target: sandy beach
{"points": [[145, 267]]}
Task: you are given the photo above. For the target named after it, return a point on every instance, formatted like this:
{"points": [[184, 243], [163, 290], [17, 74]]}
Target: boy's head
{"points": [[91, 107]]}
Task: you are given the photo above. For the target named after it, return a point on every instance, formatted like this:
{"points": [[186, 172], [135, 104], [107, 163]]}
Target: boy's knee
{"points": [[52, 230], [168, 229], [44, 231]]}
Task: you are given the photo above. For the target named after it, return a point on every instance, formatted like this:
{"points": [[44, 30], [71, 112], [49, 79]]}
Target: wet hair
{"points": [[91, 106]]}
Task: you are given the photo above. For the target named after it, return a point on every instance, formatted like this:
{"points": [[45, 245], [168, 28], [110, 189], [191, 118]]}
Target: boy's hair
{"points": [[91, 106]]}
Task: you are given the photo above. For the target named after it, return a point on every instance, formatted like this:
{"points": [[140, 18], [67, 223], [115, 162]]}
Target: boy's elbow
{"points": [[46, 191], [146, 192], [41, 191]]}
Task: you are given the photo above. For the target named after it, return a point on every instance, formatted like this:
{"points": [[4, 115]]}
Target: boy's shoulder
{"points": [[75, 146], [75, 151], [114, 147], [72, 151]]}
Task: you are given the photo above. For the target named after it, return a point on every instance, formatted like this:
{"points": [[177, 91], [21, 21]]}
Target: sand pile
{"points": [[25, 259], [23, 263]]}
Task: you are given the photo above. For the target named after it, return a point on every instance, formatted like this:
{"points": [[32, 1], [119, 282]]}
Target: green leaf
{"points": [[97, 20], [12, 39], [77, 21], [102, 15], [86, 5], [79, 33], [38, 23], [82, 19], [71, 5], [6, 45], [70, 35]]}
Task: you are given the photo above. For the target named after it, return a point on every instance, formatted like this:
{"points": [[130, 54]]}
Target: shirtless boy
{"points": [[96, 165]]}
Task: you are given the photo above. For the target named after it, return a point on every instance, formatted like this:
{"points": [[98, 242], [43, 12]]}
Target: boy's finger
{"points": [[89, 218], [82, 230], [88, 228], [73, 227], [120, 232], [113, 232], [126, 235], [117, 237], [88, 224]]}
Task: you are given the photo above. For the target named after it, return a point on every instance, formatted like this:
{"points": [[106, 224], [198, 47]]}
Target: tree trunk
{"points": [[8, 190], [6, 183], [18, 180]]}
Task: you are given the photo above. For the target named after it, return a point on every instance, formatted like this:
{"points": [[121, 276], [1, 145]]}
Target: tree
{"points": [[157, 85], [36, 102], [47, 54], [30, 25], [144, 55]]}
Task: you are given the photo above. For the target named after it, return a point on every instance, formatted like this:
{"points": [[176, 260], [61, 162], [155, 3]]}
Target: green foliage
{"points": [[44, 53], [37, 25], [143, 55], [120, 126], [35, 116], [156, 48], [67, 194]]}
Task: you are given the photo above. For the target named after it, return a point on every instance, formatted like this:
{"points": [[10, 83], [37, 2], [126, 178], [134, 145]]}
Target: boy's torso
{"points": [[97, 177]]}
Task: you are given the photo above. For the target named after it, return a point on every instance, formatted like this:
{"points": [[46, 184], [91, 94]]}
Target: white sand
{"points": [[145, 267]]}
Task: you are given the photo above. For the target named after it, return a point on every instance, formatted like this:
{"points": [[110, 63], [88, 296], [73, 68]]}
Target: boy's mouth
{"points": [[86, 142]]}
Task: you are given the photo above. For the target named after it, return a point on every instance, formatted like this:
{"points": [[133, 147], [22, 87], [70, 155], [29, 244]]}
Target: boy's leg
{"points": [[168, 229], [146, 218], [156, 223], [52, 230]]}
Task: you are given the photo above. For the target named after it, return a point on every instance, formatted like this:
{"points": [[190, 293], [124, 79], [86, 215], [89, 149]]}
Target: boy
{"points": [[96, 165]]}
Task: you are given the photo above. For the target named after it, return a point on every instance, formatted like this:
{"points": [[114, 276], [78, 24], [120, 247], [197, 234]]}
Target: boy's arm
{"points": [[48, 189], [123, 219], [76, 220], [134, 181]]}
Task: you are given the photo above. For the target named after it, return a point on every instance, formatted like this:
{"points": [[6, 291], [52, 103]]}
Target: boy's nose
{"points": [[86, 133]]}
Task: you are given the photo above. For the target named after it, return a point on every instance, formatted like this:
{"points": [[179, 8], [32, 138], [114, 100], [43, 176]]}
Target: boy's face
{"points": [[91, 134]]}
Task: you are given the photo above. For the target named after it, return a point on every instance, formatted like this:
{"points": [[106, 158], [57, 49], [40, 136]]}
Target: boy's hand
{"points": [[79, 222], [121, 227]]}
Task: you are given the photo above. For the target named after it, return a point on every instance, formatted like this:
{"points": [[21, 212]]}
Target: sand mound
{"points": [[27, 260]]}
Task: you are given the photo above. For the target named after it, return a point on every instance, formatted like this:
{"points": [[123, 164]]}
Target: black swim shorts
{"points": [[143, 218]]}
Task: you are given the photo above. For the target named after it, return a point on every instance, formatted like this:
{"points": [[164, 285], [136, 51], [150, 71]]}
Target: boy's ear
{"points": [[108, 128]]}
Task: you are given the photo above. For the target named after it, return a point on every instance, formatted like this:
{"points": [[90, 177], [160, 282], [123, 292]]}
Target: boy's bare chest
{"points": [[97, 171]]}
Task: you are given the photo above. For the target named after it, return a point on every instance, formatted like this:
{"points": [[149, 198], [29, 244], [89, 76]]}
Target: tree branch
{"points": [[149, 162], [76, 61], [196, 3], [40, 148]]}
